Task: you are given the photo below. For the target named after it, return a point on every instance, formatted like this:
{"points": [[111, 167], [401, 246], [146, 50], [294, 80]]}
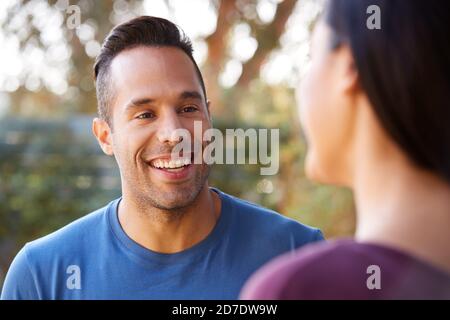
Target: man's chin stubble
{"points": [[160, 209]]}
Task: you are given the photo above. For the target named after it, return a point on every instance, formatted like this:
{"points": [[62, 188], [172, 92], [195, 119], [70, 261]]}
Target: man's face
{"points": [[157, 91]]}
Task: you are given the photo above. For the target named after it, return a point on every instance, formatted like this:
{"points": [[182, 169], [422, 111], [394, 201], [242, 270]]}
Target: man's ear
{"points": [[102, 132]]}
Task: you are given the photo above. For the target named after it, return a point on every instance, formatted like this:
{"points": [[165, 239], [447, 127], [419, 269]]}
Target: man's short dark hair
{"points": [[141, 31]]}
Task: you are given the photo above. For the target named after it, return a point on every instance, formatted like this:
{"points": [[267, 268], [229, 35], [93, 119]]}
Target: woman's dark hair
{"points": [[141, 31], [404, 68]]}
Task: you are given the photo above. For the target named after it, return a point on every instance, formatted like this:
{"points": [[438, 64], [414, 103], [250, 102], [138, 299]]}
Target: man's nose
{"points": [[169, 129]]}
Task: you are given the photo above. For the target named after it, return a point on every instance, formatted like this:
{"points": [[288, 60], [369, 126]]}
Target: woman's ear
{"points": [[348, 74], [208, 104], [102, 132]]}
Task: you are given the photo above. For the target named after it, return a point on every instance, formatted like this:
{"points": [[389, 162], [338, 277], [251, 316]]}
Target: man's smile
{"points": [[170, 164], [172, 169]]}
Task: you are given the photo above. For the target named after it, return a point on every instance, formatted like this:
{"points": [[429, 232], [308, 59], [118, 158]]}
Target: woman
{"points": [[376, 113]]}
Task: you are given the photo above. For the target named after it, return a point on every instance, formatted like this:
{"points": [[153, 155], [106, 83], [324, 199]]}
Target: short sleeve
{"points": [[20, 284], [318, 236]]}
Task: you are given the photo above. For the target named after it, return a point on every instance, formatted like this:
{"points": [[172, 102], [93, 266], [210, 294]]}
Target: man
{"points": [[169, 236]]}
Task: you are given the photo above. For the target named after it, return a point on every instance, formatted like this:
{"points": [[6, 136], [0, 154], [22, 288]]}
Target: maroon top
{"points": [[345, 269]]}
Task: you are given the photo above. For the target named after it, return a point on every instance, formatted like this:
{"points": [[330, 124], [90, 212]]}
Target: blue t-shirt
{"points": [[93, 258]]}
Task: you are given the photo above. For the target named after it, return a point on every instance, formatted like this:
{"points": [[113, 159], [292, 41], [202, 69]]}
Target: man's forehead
{"points": [[142, 58], [153, 72], [153, 64]]}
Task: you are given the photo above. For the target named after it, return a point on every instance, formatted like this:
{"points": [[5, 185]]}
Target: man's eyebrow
{"points": [[139, 102], [191, 95]]}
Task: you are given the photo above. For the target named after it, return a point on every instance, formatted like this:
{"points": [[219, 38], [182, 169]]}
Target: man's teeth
{"points": [[171, 164]]}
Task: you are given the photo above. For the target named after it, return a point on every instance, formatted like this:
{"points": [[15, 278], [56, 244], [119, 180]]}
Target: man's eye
{"points": [[189, 109], [146, 115]]}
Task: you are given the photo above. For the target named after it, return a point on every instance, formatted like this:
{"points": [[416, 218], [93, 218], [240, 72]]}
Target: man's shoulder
{"points": [[264, 221], [72, 236], [39, 262]]}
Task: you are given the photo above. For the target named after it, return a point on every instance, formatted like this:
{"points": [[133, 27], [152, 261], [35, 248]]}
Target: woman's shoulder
{"points": [[345, 269]]}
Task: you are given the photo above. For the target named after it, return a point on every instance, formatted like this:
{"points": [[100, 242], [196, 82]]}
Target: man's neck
{"points": [[170, 232]]}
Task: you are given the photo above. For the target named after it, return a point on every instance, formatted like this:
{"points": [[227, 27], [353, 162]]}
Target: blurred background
{"points": [[252, 54]]}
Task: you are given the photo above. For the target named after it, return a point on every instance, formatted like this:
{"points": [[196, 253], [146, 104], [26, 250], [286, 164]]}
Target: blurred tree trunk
{"points": [[217, 53], [267, 37]]}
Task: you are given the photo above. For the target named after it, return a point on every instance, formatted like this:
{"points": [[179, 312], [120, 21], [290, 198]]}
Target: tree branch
{"points": [[268, 38]]}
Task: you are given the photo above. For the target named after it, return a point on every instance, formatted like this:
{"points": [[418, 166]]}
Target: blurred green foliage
{"points": [[49, 176]]}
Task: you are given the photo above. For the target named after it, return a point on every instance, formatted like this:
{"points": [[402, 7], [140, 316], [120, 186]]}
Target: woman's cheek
{"points": [[315, 120]]}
